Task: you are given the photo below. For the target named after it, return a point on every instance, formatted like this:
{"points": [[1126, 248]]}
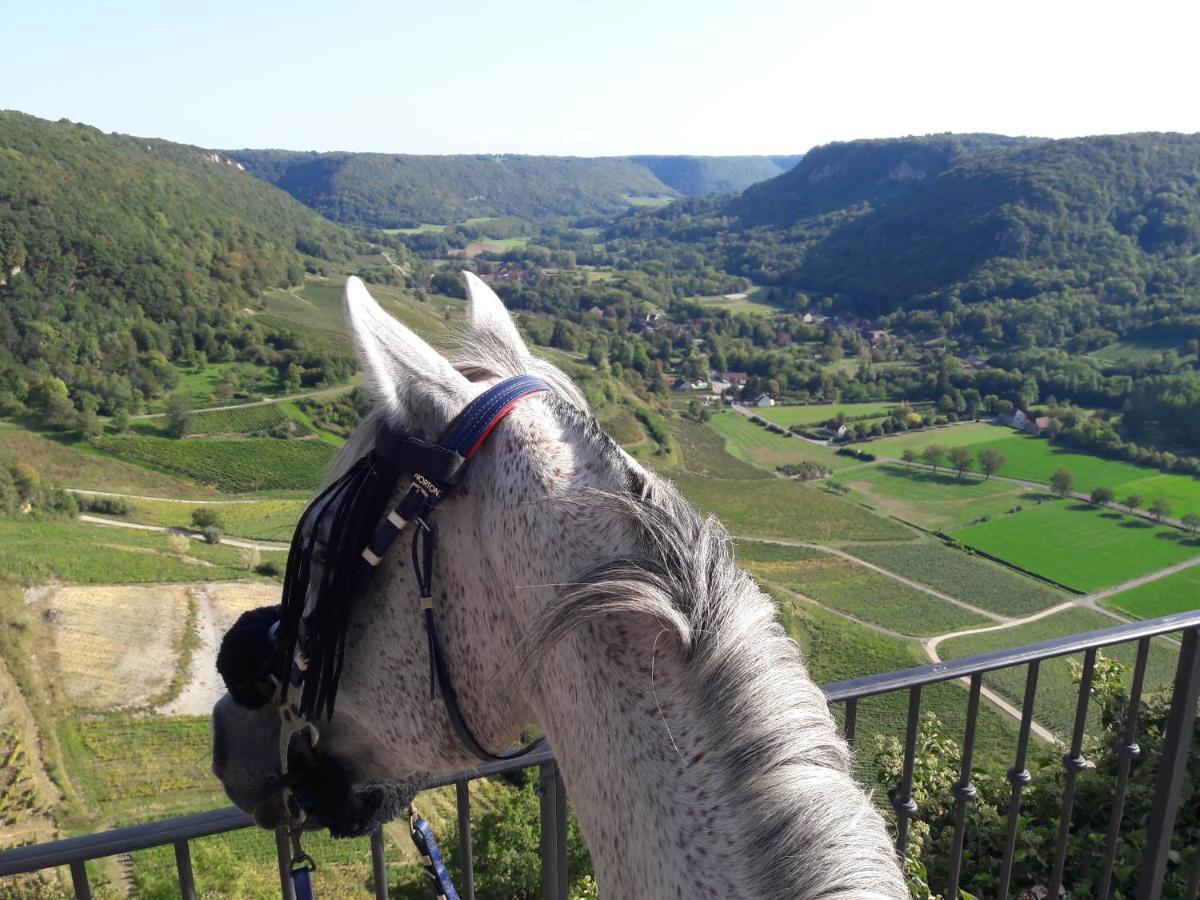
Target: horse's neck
{"points": [[620, 717]]}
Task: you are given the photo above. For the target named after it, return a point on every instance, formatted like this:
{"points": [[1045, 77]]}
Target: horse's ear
{"points": [[405, 373], [489, 317]]}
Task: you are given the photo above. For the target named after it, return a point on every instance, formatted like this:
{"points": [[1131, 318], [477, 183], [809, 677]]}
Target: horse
{"points": [[579, 593]]}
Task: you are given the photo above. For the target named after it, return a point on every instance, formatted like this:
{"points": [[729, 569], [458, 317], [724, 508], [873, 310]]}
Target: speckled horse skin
{"points": [[579, 592]]}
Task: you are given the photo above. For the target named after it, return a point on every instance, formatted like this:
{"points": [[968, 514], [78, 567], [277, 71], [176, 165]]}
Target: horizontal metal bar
{"points": [[122, 840], [948, 670], [185, 828]]}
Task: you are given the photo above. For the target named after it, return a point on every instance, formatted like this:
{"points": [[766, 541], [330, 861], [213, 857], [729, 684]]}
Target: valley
{"points": [[863, 451]]}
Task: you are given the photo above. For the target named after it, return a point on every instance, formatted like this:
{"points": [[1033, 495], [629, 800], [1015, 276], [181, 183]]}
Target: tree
{"points": [[960, 458], [1160, 508], [1101, 495], [909, 456], [179, 415], [1132, 502], [932, 455], [1063, 482], [1191, 522], [991, 461]]}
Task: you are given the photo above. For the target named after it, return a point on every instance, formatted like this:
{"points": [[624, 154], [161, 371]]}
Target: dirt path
{"points": [[91, 493], [203, 685], [270, 401], [245, 544]]}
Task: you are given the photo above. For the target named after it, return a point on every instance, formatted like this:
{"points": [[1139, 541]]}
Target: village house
{"points": [[836, 430], [763, 400]]}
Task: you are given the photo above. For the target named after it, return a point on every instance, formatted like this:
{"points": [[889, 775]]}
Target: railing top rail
{"points": [[947, 670], [184, 828]]}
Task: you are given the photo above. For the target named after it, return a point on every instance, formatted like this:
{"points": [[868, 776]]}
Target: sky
{"points": [[596, 78]]}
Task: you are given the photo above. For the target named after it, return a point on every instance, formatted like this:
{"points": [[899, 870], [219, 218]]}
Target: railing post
{"points": [[79, 880], [379, 865], [1171, 767], [462, 796], [283, 855], [183, 865], [554, 832]]}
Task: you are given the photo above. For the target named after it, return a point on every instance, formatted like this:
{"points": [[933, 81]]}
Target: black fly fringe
{"points": [[325, 569]]}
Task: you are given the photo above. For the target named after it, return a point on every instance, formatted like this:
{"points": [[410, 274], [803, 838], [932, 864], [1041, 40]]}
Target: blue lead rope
{"points": [[431, 856], [302, 884]]}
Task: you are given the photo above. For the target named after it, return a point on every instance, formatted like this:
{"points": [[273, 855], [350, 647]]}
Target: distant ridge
{"points": [[397, 191]]}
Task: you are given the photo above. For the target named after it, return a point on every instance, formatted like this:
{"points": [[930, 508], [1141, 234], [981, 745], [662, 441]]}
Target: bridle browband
{"points": [[342, 537]]}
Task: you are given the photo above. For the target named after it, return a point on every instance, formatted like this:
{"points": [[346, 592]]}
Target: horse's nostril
{"points": [[270, 814]]}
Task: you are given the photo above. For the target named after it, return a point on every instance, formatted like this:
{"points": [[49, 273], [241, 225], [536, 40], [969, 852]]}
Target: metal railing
{"points": [[179, 831]]}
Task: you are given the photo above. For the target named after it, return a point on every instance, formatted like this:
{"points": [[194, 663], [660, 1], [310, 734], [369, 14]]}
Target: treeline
{"points": [[123, 256]]}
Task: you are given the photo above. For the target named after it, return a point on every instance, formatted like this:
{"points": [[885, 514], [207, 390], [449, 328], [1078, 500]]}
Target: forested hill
{"points": [[1005, 240], [115, 247], [844, 175], [696, 176], [396, 191]]}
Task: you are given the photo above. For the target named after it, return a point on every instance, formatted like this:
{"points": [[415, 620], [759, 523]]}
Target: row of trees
{"points": [[989, 459]]}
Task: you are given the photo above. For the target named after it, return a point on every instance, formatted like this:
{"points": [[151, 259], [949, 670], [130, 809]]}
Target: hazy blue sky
{"points": [[596, 78]]}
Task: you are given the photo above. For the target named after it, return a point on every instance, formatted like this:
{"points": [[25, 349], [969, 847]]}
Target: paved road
{"points": [[244, 543]]}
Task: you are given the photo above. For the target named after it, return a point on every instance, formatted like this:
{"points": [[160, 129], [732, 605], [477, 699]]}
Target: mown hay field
{"points": [[234, 466], [819, 413], [756, 445], [962, 575], [933, 500], [857, 591], [1081, 547], [113, 645]]}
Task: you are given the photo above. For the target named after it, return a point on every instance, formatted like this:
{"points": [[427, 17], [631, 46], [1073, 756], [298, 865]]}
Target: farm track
{"points": [[270, 401], [245, 544]]}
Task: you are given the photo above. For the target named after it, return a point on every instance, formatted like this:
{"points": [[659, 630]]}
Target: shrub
{"points": [[206, 517], [270, 568], [212, 535], [177, 544]]}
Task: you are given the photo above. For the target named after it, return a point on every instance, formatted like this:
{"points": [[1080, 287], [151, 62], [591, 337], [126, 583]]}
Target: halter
{"points": [[342, 537]]}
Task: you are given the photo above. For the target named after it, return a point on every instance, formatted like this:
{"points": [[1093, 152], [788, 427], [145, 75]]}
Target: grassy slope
{"points": [[32, 552], [266, 520], [751, 502], [1079, 546], [978, 581], [856, 590], [1056, 697]]}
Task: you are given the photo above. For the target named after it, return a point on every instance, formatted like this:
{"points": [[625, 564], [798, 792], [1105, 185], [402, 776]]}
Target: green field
{"points": [[80, 466], [703, 453], [1081, 547], [247, 420], [835, 649], [1139, 349], [751, 305], [1035, 459], [264, 520], [785, 510], [819, 413], [754, 444], [1056, 696], [933, 500], [1174, 594], [234, 466], [34, 552], [855, 590], [962, 575]]}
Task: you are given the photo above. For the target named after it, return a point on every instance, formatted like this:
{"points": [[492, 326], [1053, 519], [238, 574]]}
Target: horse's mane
{"points": [[778, 747]]}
